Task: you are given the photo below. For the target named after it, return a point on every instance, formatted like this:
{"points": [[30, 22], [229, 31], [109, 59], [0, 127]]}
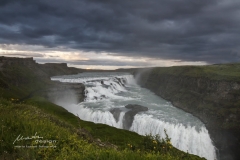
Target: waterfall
{"points": [[106, 91], [185, 138]]}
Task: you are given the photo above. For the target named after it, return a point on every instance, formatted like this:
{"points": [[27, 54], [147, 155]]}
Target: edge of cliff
{"points": [[211, 93]]}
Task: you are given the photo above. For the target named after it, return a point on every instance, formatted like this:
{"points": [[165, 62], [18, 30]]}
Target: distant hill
{"points": [[21, 76]]}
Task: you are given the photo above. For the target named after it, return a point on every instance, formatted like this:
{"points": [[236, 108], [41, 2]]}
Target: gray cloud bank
{"points": [[187, 30]]}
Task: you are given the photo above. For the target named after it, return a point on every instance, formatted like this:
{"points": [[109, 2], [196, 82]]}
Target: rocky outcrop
{"points": [[215, 101], [129, 115], [56, 69], [16, 61], [132, 110], [116, 113], [66, 93]]}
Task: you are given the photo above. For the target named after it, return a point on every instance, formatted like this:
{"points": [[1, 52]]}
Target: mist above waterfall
{"points": [[138, 74], [106, 91]]}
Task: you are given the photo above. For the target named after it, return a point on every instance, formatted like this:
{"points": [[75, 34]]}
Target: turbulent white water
{"points": [[107, 90]]}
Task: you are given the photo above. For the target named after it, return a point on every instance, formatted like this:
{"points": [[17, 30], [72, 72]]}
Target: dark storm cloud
{"points": [[22, 54], [206, 30]]}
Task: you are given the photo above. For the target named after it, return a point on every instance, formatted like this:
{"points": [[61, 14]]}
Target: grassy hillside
{"points": [[34, 128], [229, 72], [64, 136]]}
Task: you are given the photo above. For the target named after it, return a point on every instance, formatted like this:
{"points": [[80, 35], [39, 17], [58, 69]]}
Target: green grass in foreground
{"points": [[61, 137]]}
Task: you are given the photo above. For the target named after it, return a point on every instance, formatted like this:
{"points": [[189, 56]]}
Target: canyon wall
{"points": [[210, 93]]}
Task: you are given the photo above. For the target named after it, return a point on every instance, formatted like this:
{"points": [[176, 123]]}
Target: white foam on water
{"points": [[114, 91], [187, 139], [96, 116], [101, 87]]}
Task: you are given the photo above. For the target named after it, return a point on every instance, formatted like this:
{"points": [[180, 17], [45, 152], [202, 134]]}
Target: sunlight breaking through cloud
{"points": [[86, 60]]}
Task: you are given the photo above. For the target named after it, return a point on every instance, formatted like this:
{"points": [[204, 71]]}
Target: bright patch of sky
{"points": [[86, 60]]}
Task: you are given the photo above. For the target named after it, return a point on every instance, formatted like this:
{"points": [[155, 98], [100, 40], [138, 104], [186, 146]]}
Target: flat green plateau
{"points": [[229, 72]]}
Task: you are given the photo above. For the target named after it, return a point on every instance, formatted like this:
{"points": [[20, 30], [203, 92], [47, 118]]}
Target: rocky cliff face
{"points": [[66, 93], [16, 61], [55, 69], [215, 101]]}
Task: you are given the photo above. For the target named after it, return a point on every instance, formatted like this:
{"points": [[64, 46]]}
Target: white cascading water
{"points": [[107, 90]]}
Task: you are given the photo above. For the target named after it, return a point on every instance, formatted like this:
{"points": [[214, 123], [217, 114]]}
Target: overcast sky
{"points": [[111, 34]]}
